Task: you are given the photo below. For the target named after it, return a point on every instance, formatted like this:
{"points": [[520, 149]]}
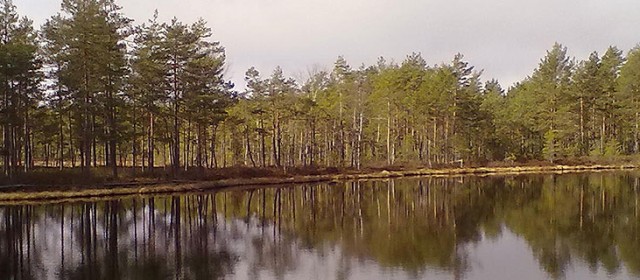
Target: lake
{"points": [[551, 226]]}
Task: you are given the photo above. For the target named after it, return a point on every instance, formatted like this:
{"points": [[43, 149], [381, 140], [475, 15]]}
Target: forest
{"points": [[89, 88]]}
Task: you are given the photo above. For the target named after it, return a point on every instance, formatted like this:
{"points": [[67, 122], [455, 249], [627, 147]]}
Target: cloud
{"points": [[505, 38]]}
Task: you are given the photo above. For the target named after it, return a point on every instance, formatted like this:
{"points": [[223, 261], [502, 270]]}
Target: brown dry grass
{"points": [[234, 177]]}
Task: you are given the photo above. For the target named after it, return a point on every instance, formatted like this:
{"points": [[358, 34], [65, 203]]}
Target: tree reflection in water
{"points": [[416, 226], [147, 238]]}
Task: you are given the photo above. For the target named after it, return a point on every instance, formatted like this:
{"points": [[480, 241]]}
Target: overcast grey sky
{"points": [[506, 38]]}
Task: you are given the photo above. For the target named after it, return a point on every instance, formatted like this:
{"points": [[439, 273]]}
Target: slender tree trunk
{"points": [[187, 146], [359, 143], [248, 139], [28, 157], [47, 151], [303, 152], [636, 142], [445, 143], [602, 135], [213, 146], [434, 142], [106, 155], [143, 145], [326, 153], [312, 149], [94, 142], [582, 138], [151, 145], [86, 133], [175, 155], [389, 149], [224, 146], [72, 153], [164, 155], [175, 159], [113, 147], [113, 141], [200, 148], [279, 143], [274, 141], [134, 142], [353, 138], [15, 148], [5, 132], [263, 150], [86, 141], [8, 150], [61, 143], [341, 131]]}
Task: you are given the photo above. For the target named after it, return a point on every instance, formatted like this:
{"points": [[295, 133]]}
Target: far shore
{"points": [[13, 194]]}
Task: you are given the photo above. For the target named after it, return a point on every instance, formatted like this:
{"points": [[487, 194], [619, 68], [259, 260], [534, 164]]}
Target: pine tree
{"points": [[148, 84], [629, 88], [551, 81], [19, 87], [587, 88], [180, 45], [608, 103], [91, 69], [207, 94]]}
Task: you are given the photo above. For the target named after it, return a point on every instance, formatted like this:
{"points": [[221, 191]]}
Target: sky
{"points": [[505, 38]]}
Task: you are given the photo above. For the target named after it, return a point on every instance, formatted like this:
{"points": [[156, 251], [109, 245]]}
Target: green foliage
{"points": [[550, 150], [156, 95], [20, 93], [612, 148]]}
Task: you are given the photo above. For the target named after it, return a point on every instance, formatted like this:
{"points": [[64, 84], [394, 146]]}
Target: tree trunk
{"points": [[248, 139], [312, 149], [28, 156], [636, 143], [200, 148], [7, 151], [602, 135], [582, 141], [134, 143], [175, 156], [151, 145], [214, 161], [274, 141], [86, 135], [359, 143], [72, 153], [94, 142], [263, 150], [61, 143], [388, 133], [187, 146]]}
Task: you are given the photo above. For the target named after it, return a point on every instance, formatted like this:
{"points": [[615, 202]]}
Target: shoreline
{"points": [[150, 188]]}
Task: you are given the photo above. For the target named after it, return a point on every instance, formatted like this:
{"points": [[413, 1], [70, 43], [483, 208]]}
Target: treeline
{"points": [[90, 89]]}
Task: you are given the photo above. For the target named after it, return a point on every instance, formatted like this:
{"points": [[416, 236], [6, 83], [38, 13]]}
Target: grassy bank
{"points": [[261, 177]]}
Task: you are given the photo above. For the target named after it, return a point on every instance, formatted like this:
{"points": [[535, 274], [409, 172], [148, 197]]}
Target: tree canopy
{"points": [[90, 89]]}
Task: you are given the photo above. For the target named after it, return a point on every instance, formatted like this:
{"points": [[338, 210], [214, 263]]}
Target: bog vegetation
{"points": [[90, 88]]}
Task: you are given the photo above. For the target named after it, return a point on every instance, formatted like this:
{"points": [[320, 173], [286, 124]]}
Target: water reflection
{"points": [[545, 226]]}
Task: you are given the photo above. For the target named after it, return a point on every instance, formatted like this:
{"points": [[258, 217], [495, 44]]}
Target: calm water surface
{"points": [[579, 226]]}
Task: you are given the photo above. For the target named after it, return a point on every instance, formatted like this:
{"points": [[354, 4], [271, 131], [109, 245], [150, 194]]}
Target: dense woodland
{"points": [[91, 88]]}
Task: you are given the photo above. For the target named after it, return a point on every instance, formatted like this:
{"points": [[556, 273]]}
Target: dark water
{"points": [[583, 226]]}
